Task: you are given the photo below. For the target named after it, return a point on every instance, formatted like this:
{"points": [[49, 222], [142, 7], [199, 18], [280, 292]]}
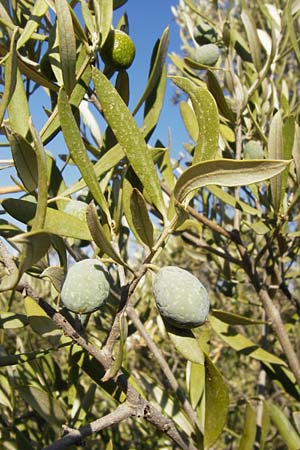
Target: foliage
{"points": [[120, 377]]}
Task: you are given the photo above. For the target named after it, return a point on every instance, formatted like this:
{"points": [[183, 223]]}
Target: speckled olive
{"points": [[180, 297], [86, 286], [208, 54], [118, 51]]}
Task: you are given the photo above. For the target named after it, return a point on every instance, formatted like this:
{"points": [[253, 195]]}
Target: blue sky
{"points": [[147, 20]]}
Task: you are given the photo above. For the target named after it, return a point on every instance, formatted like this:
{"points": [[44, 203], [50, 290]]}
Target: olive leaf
{"points": [[77, 150], [216, 403], [67, 44], [206, 112], [226, 172], [129, 137]]}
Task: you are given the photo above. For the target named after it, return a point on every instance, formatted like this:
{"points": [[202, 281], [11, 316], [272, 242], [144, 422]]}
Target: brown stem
{"points": [[164, 367], [151, 414], [76, 437]]}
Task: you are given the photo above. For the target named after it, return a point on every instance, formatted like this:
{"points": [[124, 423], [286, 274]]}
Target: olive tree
{"points": [[102, 342]]}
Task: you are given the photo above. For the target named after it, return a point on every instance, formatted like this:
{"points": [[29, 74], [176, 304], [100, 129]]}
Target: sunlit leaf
{"points": [[186, 344], [288, 433], [234, 319], [18, 110], [46, 406], [129, 137], [206, 112], [39, 9], [41, 323], [106, 14], [226, 172], [216, 403], [56, 222], [196, 383], [100, 236], [249, 429], [158, 58], [252, 36], [230, 200], [10, 75], [189, 119], [41, 208], [25, 160], [241, 343], [67, 44], [77, 150], [140, 218], [34, 245], [275, 151], [10, 320]]}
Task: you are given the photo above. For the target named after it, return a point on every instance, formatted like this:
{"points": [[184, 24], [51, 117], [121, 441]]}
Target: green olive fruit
{"points": [[76, 208], [253, 150], [180, 297], [208, 54], [118, 51], [86, 286]]}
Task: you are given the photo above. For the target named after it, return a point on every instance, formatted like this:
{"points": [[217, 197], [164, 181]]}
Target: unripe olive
{"points": [[118, 51], [86, 286], [180, 297], [253, 150], [208, 54]]}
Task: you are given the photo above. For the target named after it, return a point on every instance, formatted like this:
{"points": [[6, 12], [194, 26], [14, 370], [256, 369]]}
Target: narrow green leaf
{"points": [[39, 9], [18, 110], [196, 383], [189, 119], [290, 22], [11, 321], [206, 112], [216, 403], [49, 408], [34, 245], [20, 358], [55, 275], [275, 151], [288, 433], [77, 150], [41, 323], [253, 39], [228, 199], [154, 104], [249, 429], [129, 137], [234, 319], [140, 218], [52, 126], [217, 91], [67, 44], [25, 160], [10, 75], [296, 151], [99, 236], [40, 215], [226, 172], [106, 14], [157, 64], [56, 222], [109, 160], [185, 343], [241, 343]]}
